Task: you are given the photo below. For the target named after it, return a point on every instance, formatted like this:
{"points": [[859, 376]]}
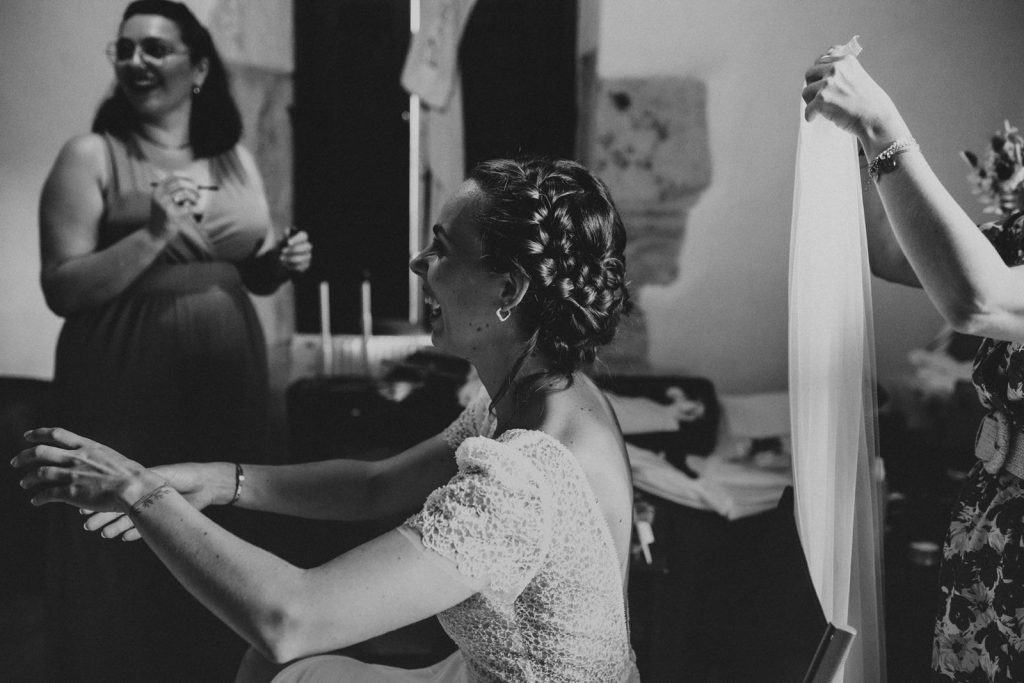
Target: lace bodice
{"points": [[521, 514]]}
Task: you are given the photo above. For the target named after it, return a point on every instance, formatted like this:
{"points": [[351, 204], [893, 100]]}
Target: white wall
{"points": [[955, 68], [54, 73], [53, 76]]}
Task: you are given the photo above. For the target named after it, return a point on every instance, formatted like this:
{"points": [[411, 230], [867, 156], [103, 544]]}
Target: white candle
{"points": [[367, 320], [367, 314], [326, 342]]}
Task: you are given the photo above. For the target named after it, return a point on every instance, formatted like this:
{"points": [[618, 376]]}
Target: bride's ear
{"points": [[515, 288]]}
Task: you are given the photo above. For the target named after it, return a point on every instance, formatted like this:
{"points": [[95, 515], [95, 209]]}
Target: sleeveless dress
{"points": [[979, 629], [521, 513], [174, 369]]}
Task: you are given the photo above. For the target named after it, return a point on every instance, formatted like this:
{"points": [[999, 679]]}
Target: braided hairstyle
{"points": [[555, 223]]}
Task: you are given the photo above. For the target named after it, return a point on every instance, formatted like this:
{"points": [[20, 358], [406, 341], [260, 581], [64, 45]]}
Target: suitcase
{"points": [[692, 438]]}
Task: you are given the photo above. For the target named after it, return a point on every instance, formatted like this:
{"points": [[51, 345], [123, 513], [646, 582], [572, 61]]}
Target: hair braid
{"points": [[555, 223]]}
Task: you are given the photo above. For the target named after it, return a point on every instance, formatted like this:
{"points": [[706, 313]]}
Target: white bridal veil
{"points": [[832, 391]]}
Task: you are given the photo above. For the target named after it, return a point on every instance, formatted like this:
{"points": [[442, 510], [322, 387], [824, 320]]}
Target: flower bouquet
{"points": [[998, 178]]}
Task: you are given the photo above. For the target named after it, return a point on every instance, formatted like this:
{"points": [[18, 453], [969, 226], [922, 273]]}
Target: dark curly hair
{"points": [[554, 222], [215, 124]]}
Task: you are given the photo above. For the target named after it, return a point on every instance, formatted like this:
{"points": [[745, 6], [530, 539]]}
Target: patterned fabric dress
{"points": [[174, 369], [979, 630], [521, 513]]}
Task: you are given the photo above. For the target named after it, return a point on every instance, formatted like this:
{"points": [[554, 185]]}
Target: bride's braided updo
{"points": [[555, 222]]}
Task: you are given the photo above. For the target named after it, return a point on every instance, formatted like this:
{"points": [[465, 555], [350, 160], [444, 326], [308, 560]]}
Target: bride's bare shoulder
{"points": [[582, 420]]}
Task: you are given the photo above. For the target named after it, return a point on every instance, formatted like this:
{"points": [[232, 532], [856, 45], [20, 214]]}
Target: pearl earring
{"points": [[195, 89]]}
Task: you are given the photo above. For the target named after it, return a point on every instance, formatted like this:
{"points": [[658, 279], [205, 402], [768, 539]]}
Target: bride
{"points": [[521, 539]]}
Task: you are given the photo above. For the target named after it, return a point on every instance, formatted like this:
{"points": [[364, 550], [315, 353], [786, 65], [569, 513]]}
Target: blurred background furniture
{"points": [[24, 403], [727, 596], [360, 417]]}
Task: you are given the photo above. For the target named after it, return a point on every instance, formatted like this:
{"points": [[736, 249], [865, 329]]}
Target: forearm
{"points": [[287, 612], [264, 274], [350, 490], [244, 586], [333, 489], [284, 611], [962, 274], [92, 279], [884, 252]]}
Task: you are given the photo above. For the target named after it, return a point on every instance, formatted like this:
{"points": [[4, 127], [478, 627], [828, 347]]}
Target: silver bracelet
{"points": [[239, 480], [885, 162]]}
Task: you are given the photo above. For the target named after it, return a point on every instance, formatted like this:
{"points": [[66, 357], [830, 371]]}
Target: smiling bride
{"points": [[519, 541]]}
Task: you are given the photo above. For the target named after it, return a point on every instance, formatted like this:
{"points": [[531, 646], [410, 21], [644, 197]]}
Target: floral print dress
{"points": [[979, 628]]}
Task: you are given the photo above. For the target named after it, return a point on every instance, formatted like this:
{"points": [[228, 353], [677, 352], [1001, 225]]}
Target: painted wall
{"points": [[954, 66]]}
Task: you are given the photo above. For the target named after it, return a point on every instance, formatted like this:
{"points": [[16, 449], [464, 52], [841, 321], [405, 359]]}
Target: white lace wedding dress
{"points": [[521, 513]]}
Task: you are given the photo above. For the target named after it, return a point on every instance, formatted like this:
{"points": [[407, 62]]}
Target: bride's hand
{"points": [[68, 468], [191, 480]]}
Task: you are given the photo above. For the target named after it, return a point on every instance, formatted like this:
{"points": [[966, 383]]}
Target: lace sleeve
{"points": [[1007, 236], [492, 519], [474, 420]]}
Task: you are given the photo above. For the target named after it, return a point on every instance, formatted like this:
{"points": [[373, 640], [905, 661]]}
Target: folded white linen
{"points": [[730, 488]]}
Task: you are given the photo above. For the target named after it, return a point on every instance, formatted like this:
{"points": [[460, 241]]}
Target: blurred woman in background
{"points": [[154, 228]]}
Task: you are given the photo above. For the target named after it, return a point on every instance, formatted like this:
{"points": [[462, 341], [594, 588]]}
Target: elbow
{"points": [[58, 308], [882, 268], [974, 325], [276, 636], [288, 628], [59, 301], [878, 270], [892, 266], [61, 295], [975, 318]]}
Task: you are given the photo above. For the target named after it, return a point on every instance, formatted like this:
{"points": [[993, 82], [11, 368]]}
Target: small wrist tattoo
{"points": [[149, 499]]}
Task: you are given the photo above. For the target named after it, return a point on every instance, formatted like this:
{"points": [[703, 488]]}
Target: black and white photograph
{"points": [[522, 341]]}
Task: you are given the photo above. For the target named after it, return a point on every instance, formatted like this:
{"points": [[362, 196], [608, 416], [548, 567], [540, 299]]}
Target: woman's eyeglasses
{"points": [[153, 50]]}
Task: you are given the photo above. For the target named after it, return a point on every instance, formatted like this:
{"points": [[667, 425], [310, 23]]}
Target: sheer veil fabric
{"points": [[832, 391]]}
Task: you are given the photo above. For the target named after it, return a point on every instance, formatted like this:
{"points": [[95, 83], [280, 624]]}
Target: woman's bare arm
{"points": [[76, 274], [339, 489], [282, 610], [962, 274], [885, 255]]}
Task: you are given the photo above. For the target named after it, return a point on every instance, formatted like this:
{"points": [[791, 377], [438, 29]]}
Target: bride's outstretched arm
{"points": [[338, 489], [282, 610]]}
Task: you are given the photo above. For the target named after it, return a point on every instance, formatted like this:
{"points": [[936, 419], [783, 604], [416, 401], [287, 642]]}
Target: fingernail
{"points": [[13, 460], [22, 484], [25, 435]]}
